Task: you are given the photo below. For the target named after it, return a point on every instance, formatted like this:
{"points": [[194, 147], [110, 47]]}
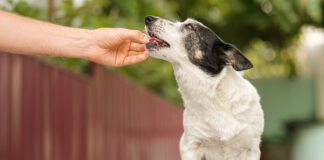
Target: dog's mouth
{"points": [[157, 42]]}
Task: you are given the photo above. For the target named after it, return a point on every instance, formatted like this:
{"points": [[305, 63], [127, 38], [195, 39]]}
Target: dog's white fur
{"points": [[223, 119]]}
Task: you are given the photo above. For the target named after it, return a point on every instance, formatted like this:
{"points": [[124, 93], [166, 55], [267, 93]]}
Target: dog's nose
{"points": [[150, 19]]}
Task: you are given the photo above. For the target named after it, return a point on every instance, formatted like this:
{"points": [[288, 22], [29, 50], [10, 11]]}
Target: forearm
{"points": [[22, 35]]}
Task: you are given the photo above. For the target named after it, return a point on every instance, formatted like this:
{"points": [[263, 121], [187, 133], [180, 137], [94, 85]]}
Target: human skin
{"points": [[108, 46]]}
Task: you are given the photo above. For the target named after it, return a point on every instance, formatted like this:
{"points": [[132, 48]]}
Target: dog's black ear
{"points": [[234, 57]]}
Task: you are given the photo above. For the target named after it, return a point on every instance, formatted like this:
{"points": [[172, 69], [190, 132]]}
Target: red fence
{"points": [[48, 113]]}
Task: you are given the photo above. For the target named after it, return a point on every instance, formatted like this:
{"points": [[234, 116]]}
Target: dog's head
{"points": [[193, 42]]}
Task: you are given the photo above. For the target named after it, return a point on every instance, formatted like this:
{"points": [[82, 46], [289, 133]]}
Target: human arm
{"points": [[108, 46]]}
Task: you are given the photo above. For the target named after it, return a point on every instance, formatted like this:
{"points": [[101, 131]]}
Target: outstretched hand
{"points": [[116, 46], [108, 46]]}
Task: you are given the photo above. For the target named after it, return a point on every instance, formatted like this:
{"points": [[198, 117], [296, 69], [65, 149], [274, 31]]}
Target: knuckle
{"points": [[138, 33]]}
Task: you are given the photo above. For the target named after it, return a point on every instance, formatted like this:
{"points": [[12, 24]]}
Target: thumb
{"points": [[134, 36]]}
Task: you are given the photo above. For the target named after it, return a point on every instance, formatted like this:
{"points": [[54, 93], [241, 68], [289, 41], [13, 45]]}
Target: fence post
{"points": [[319, 84], [312, 58]]}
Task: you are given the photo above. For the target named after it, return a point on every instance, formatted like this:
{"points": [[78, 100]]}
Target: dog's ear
{"points": [[233, 56]]}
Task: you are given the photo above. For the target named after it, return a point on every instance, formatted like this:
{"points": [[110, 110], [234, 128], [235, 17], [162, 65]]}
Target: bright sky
{"points": [[313, 37]]}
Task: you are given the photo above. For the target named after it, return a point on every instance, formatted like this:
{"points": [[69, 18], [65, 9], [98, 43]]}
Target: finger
{"points": [[133, 53], [137, 47], [122, 53], [135, 58], [134, 36]]}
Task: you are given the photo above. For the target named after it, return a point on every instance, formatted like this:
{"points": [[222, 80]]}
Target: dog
{"points": [[223, 118]]}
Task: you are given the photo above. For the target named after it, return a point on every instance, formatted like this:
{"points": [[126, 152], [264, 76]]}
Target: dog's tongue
{"points": [[154, 40]]}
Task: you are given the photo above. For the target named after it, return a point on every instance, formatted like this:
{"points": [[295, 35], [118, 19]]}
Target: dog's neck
{"points": [[199, 88]]}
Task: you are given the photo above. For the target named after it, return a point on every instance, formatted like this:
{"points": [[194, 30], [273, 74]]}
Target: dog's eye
{"points": [[189, 26]]}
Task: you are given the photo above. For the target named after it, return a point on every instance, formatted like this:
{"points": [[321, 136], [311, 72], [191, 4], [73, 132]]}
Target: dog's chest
{"points": [[199, 124], [212, 101]]}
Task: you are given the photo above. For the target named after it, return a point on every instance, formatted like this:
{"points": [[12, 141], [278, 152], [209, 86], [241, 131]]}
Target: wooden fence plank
{"points": [[48, 113]]}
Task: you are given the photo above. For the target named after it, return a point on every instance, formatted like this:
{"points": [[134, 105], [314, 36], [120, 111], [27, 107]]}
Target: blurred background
{"points": [[61, 108]]}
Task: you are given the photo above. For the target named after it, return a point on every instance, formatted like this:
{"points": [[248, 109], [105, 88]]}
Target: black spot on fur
{"points": [[203, 158], [215, 52]]}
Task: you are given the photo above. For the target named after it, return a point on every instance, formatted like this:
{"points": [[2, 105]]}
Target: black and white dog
{"points": [[223, 119]]}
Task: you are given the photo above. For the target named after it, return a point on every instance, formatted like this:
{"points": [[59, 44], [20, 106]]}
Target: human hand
{"points": [[115, 46]]}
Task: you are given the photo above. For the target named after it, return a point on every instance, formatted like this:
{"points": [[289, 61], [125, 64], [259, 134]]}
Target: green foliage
{"points": [[23, 8], [241, 21], [266, 30], [155, 74]]}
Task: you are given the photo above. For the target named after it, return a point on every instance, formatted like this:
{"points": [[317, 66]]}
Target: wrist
{"points": [[75, 43]]}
